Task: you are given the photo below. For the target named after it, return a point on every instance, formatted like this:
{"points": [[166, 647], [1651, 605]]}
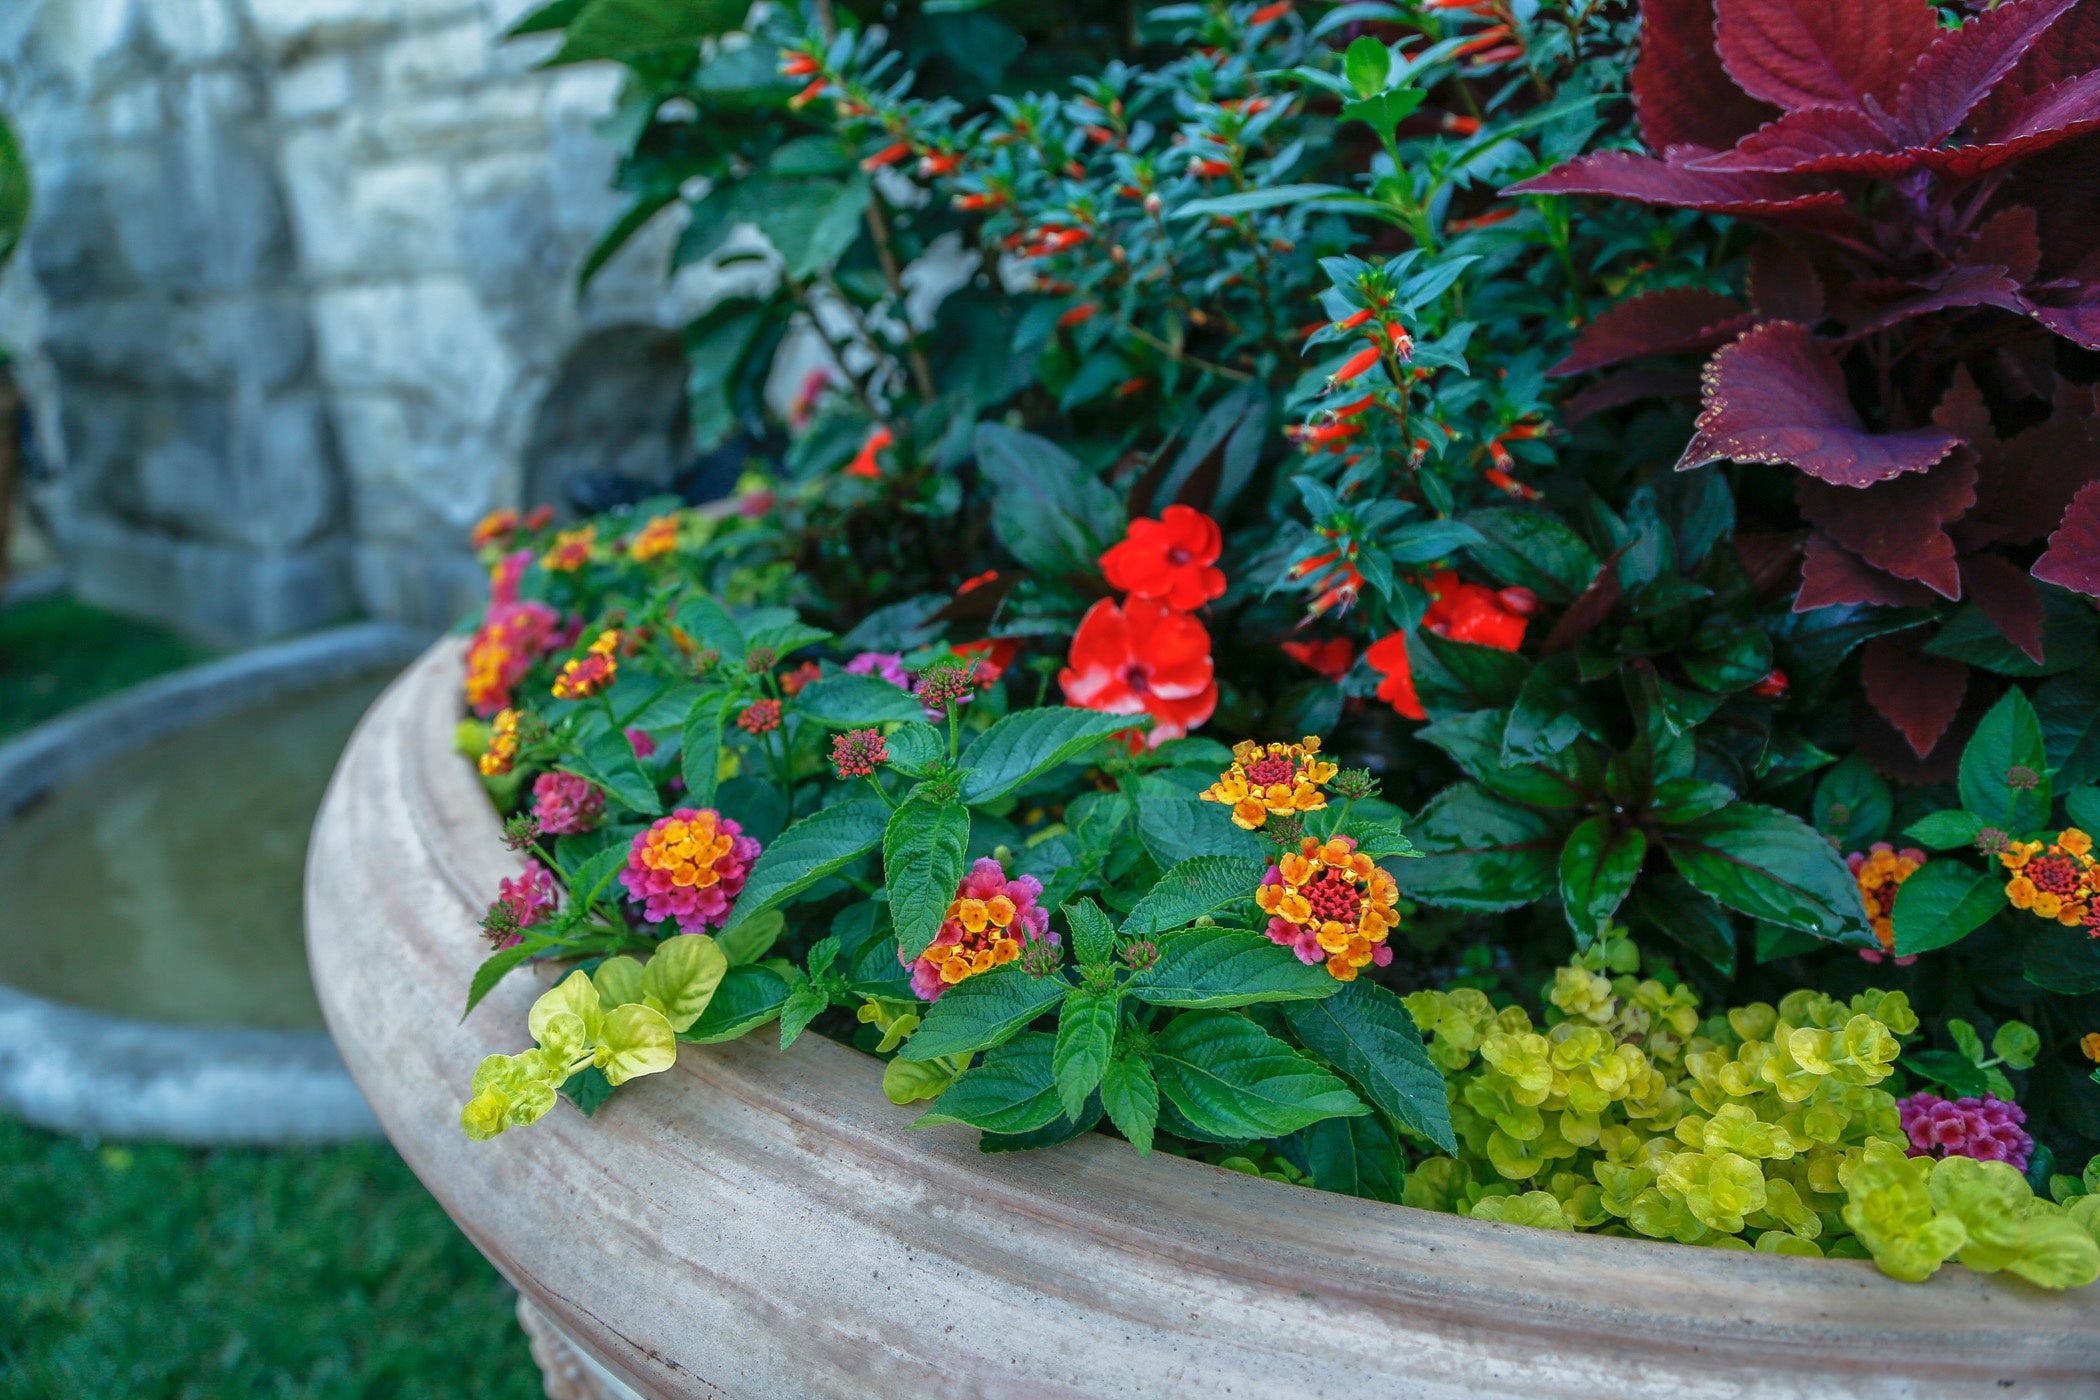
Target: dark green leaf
{"points": [[588, 1089], [750, 996], [1853, 804], [1961, 1078], [1379, 839], [1598, 866], [1053, 514], [1483, 853], [2069, 709], [607, 759], [1231, 1079], [1533, 550], [819, 845], [1355, 1157], [1013, 1091], [1131, 1097], [1462, 676], [1056, 1131], [922, 863], [708, 623], [1945, 831], [982, 1011], [1086, 1039], [494, 968], [1672, 907], [1093, 936], [1762, 862], [617, 235], [2082, 806], [848, 701], [915, 748], [2008, 738], [624, 28], [2067, 638], [1774, 942], [790, 637], [1202, 885], [1943, 902], [1026, 743], [700, 749], [1726, 655], [804, 1004], [1176, 829], [1678, 800], [1474, 742], [1366, 1032], [1545, 717], [2060, 959], [1222, 967], [548, 17]]}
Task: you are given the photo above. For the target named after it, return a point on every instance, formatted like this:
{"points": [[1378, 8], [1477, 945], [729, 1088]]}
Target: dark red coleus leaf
{"points": [[1898, 526], [1956, 287], [1832, 574], [2008, 239], [1876, 740], [1630, 386], [2075, 321], [1822, 53], [1669, 322], [2026, 485], [2073, 558], [2048, 118], [1962, 411], [2008, 598], [2071, 47], [1914, 691], [1964, 64], [1770, 559], [1816, 140], [1626, 175], [1784, 285], [1681, 92], [1776, 395]]}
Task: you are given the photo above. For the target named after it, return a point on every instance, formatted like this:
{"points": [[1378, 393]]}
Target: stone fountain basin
{"points": [[168, 1034], [764, 1223]]}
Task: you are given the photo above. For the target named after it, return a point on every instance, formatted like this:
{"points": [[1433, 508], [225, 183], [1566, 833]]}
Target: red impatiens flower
{"points": [[1170, 559], [1329, 656], [1142, 658], [1459, 612]]}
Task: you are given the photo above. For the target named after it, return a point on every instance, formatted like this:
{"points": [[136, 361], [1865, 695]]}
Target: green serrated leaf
{"points": [[1192, 889], [1355, 1157], [750, 996], [607, 758], [700, 748], [1762, 862], [1013, 1091], [1231, 1079], [1366, 1032], [1130, 1095], [1945, 831], [1027, 743], [982, 1011], [2008, 739], [848, 701], [1086, 1039], [922, 862], [916, 747], [1943, 902], [1093, 936], [804, 1004], [493, 969], [1225, 967], [817, 846], [1176, 829]]}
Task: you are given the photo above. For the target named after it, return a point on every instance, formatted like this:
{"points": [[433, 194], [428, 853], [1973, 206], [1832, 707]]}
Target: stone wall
{"points": [[297, 303]]}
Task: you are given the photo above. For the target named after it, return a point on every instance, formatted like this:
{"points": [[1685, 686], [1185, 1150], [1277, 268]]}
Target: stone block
{"points": [[427, 583], [428, 338], [314, 88], [225, 594], [313, 23], [424, 59], [191, 31]]}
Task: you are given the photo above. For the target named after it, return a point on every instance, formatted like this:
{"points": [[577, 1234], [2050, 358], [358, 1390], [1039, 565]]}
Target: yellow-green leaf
{"points": [[573, 993], [636, 1040], [683, 975], [619, 981]]}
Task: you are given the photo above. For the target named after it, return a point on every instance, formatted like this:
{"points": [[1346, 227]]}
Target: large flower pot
{"points": [[757, 1223]]}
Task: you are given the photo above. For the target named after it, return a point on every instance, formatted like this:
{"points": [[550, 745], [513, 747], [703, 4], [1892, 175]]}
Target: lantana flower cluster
{"points": [[992, 920], [2054, 880], [689, 866], [1272, 779], [1328, 902], [1881, 870], [514, 634]]}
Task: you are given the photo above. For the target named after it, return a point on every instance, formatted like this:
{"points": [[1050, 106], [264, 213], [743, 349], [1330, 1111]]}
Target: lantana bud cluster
{"points": [[1763, 1128]]}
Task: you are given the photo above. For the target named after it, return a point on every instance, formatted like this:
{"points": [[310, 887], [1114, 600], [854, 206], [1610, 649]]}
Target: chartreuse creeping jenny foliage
{"points": [[1268, 407], [1763, 1128]]}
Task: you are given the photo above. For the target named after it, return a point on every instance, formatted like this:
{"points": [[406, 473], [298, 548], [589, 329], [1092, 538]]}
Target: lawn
{"points": [[144, 1270]]}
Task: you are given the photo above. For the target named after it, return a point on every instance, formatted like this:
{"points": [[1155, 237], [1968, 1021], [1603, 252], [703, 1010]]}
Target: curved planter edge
{"points": [[71, 1070], [759, 1222]]}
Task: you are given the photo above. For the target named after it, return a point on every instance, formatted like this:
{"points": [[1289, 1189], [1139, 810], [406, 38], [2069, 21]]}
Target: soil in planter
{"points": [[166, 885]]}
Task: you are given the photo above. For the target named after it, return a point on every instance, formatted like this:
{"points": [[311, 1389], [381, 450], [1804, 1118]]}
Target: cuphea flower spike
{"points": [[1283, 779]]}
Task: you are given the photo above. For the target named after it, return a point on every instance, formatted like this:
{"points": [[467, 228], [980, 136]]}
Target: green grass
{"points": [[155, 1271], [56, 653]]}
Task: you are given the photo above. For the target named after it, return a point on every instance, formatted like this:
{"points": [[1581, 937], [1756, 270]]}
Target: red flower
{"points": [[1473, 612], [1142, 658], [1170, 559], [864, 463], [1388, 656], [992, 656], [1330, 656]]}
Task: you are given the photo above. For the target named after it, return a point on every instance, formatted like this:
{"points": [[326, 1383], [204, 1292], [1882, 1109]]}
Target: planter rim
{"points": [[764, 1222]]}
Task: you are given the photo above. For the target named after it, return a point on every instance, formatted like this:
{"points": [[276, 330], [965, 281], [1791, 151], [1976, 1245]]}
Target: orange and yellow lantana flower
{"points": [[591, 673], [571, 550], [502, 753], [2056, 881], [1272, 778], [1881, 871], [654, 540], [1328, 902]]}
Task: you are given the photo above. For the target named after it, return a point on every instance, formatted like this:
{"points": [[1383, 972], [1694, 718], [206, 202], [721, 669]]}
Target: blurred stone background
{"points": [[297, 303]]}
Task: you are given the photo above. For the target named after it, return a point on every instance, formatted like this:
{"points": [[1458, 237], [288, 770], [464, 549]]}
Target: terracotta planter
{"points": [[758, 1223]]}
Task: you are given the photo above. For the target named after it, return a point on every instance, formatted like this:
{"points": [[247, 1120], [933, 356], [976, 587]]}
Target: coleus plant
{"points": [[1928, 253]]}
